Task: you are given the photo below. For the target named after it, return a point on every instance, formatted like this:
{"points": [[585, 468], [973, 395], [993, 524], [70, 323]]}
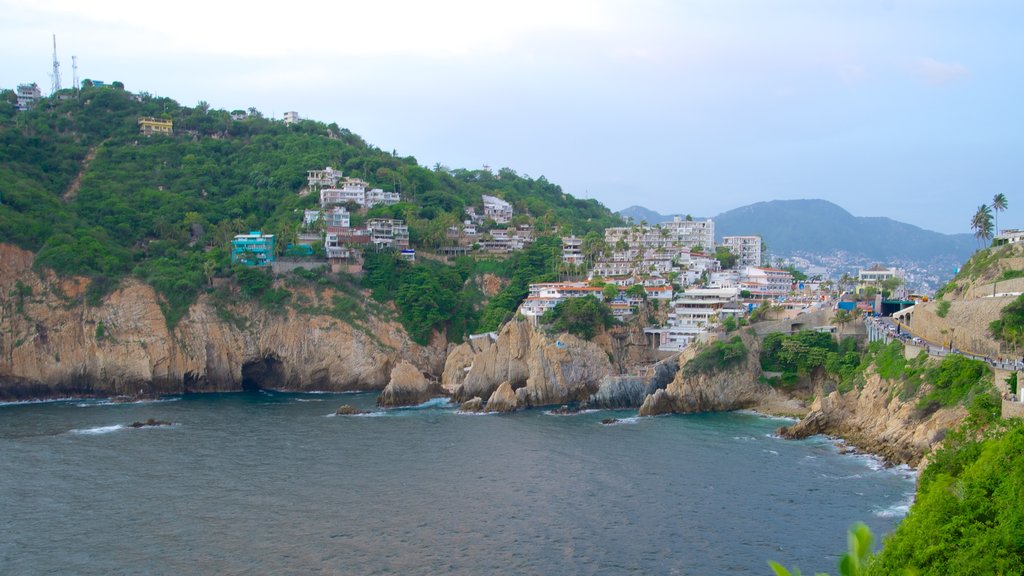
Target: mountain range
{"points": [[822, 228]]}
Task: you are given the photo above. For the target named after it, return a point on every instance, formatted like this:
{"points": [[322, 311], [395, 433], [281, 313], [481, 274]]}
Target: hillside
{"points": [[91, 197]]}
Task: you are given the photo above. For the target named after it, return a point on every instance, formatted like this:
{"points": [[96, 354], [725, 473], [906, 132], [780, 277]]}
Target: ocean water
{"points": [[273, 483]]}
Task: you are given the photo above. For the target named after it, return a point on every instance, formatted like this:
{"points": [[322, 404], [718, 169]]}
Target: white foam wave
{"points": [[441, 402], [771, 452], [897, 510], [767, 416], [98, 430], [577, 412]]}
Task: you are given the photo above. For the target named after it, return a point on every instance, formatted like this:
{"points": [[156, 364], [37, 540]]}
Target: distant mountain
{"points": [[821, 227], [640, 214]]}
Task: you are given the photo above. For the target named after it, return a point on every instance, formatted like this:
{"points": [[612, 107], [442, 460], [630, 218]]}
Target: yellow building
{"points": [[150, 126]]}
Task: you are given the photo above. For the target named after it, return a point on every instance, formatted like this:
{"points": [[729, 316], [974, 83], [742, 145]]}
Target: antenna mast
{"points": [[74, 71], [56, 67]]}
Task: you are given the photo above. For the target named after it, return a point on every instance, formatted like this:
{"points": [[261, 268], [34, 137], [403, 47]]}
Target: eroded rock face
{"points": [[503, 399], [542, 370], [875, 420], [475, 404], [408, 387], [717, 391], [55, 345]]}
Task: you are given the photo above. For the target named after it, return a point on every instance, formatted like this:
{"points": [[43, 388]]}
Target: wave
{"points": [[576, 413], [440, 402], [897, 510], [108, 402], [98, 430], [749, 412]]}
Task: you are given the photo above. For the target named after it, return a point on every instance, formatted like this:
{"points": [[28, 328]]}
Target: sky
{"points": [[910, 109]]}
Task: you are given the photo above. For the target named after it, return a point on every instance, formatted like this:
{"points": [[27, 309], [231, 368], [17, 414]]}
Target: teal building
{"points": [[253, 249]]}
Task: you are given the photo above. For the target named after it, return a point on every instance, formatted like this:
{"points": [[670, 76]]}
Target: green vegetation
{"points": [[725, 257], [717, 356], [955, 380], [967, 518], [92, 197], [942, 308], [1010, 325], [584, 317], [799, 354]]}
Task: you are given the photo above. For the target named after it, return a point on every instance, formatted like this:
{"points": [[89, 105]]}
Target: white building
{"points": [[326, 178], [694, 312], [545, 296], [388, 233], [746, 248], [1012, 236], [28, 95], [877, 274], [291, 117], [354, 190], [766, 282], [497, 209], [572, 250]]}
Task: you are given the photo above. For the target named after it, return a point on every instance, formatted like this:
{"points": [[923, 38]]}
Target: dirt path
{"points": [[72, 190]]}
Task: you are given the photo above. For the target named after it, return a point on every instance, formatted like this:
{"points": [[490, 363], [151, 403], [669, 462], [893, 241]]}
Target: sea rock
{"points": [[475, 404], [408, 387], [348, 410], [609, 421], [542, 370], [150, 422], [732, 388], [565, 410], [503, 399]]}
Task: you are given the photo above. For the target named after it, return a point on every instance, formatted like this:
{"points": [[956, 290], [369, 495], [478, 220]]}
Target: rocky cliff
{"points": [[541, 369], [874, 419], [52, 344], [718, 390]]}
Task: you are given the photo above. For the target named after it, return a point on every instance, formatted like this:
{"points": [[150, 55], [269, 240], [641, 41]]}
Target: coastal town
{"points": [[677, 265]]}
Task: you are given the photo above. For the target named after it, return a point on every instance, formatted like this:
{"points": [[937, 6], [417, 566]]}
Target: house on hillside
{"points": [[28, 95], [253, 249], [746, 248], [149, 126]]}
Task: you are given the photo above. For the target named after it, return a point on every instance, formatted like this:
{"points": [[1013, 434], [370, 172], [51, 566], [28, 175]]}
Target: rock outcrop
{"points": [[54, 344], [630, 391], [408, 387], [714, 391], [875, 420], [503, 399], [541, 370]]}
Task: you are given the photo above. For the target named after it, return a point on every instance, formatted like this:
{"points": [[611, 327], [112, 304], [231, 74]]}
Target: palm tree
{"points": [[999, 204], [981, 223]]}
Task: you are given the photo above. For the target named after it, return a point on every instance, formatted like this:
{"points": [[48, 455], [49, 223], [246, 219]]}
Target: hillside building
{"points": [[746, 248], [253, 249], [149, 126], [28, 95], [497, 209]]}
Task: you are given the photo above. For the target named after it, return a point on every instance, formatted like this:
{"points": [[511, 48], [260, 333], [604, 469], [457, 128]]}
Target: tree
{"points": [[981, 223], [610, 292], [999, 204]]}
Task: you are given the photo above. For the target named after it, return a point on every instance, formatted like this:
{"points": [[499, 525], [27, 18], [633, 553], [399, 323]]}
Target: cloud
{"points": [[936, 72]]}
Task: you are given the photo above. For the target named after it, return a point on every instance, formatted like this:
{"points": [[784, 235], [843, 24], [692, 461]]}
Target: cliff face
{"points": [[875, 420], [52, 344], [541, 370], [721, 390]]}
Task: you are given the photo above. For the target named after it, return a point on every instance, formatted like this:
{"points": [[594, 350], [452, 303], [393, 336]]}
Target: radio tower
{"points": [[56, 67], [74, 72]]}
